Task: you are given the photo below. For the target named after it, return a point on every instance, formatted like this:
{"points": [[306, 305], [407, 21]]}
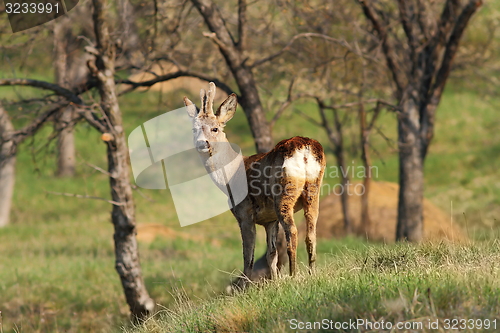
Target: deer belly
{"points": [[265, 217], [264, 211], [267, 213]]}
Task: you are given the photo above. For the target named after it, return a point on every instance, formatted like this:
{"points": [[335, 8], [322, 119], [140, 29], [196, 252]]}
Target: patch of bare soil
{"points": [[383, 203], [148, 232]]}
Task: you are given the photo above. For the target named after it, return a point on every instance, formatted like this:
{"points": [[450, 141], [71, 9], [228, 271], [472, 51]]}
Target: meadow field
{"points": [[57, 268]]}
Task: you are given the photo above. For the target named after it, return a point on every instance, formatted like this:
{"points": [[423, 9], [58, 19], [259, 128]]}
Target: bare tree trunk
{"points": [[234, 55], [420, 66], [250, 101], [366, 223], [122, 215], [65, 139], [127, 27], [336, 137], [411, 170], [344, 196], [364, 132], [7, 168], [65, 143]]}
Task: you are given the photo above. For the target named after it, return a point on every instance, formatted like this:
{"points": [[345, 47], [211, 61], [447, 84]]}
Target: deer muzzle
{"points": [[202, 146]]}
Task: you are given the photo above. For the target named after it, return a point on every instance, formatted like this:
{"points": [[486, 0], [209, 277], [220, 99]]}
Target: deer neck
{"points": [[222, 164]]}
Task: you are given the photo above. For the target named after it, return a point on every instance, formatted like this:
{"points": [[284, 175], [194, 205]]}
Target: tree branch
{"points": [[433, 49], [310, 119], [242, 21], [99, 169], [289, 100], [340, 42], [216, 24], [68, 94], [451, 49], [91, 118], [405, 16], [332, 135], [174, 75], [446, 20], [18, 136], [392, 62], [213, 36], [422, 15], [352, 104], [435, 93], [376, 113]]}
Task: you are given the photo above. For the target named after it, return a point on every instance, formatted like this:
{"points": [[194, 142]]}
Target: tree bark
{"points": [[344, 196], [65, 140], [123, 216], [254, 112], [7, 168], [65, 143], [336, 137], [365, 222], [411, 170], [127, 26], [234, 57]]}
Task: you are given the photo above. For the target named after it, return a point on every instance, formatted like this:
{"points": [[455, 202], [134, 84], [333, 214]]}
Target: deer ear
{"points": [[227, 109], [191, 109]]}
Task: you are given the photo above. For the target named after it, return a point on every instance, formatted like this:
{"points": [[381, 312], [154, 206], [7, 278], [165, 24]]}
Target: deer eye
{"points": [[215, 129]]}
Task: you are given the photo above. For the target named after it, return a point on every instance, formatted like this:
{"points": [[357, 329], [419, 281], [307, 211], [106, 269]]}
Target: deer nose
{"points": [[202, 145]]}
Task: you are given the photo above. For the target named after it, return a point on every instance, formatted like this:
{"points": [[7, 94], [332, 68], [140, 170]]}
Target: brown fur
{"points": [[265, 208], [273, 195]]}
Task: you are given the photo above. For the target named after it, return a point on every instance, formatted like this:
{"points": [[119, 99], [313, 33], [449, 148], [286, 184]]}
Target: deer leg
{"points": [[272, 251], [285, 216], [284, 210], [310, 200], [291, 238], [248, 238], [281, 246]]}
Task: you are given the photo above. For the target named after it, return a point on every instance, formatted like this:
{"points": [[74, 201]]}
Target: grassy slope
{"points": [[398, 283], [56, 272]]}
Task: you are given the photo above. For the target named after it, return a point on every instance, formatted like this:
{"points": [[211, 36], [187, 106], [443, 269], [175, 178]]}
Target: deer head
{"points": [[208, 127]]}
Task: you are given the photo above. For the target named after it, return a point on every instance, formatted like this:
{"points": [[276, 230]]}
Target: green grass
{"points": [[417, 285], [57, 275]]}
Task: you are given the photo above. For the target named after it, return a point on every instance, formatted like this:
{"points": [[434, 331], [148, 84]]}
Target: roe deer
{"points": [[280, 182]]}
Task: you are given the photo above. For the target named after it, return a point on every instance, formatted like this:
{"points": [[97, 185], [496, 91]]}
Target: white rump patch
{"points": [[302, 164]]}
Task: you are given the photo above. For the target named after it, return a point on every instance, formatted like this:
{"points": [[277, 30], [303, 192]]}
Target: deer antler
{"points": [[211, 96], [207, 99]]}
